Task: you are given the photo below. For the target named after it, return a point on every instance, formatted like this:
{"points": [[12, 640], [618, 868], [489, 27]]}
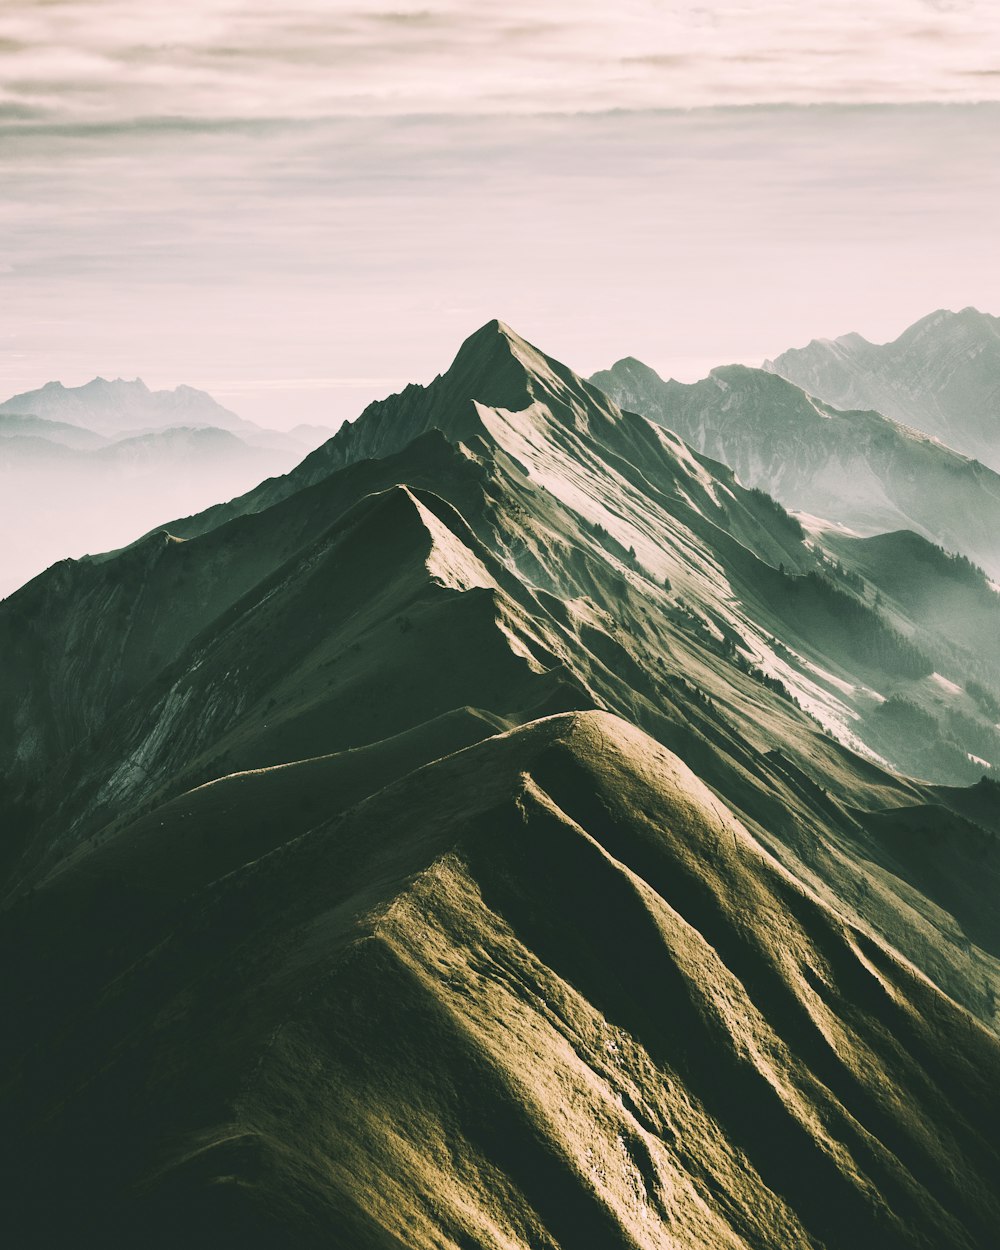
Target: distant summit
{"points": [[118, 406], [942, 375]]}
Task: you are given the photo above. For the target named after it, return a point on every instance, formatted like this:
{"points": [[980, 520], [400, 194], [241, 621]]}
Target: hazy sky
{"points": [[302, 206]]}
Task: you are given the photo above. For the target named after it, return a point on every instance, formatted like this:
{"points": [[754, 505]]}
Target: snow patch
{"points": [[948, 686]]}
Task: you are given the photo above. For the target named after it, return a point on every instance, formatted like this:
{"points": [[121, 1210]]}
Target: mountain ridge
{"points": [[941, 375], [122, 407], [855, 467], [439, 847]]}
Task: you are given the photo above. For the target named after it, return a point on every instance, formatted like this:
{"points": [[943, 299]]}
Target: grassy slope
{"points": [[518, 1080]]}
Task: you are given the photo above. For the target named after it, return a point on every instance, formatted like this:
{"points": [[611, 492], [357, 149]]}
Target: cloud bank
{"points": [[301, 269], [114, 60]]}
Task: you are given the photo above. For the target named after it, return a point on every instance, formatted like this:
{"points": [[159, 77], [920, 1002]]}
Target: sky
{"points": [[301, 207]]}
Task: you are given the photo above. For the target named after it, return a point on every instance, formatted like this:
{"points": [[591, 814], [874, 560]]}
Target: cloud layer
{"points": [[80, 61], [303, 268]]}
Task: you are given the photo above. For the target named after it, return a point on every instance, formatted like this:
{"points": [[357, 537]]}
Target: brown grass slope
{"points": [[545, 992]]}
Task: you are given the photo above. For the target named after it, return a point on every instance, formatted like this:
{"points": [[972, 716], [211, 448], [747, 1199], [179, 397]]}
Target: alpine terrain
{"points": [[858, 468], [941, 375], [506, 830]]}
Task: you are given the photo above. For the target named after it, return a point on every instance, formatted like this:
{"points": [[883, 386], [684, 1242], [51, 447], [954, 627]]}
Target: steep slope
{"points": [[942, 594], [411, 1039], [429, 849], [858, 468], [942, 375]]}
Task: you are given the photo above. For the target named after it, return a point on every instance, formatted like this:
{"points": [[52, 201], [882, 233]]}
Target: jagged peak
{"points": [[101, 383], [493, 342], [968, 319], [629, 365], [495, 366]]}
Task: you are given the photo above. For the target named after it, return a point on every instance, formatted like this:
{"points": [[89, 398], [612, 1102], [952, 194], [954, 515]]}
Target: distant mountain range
{"points": [[858, 468], [487, 834], [86, 468], [119, 407], [942, 376], [13, 425]]}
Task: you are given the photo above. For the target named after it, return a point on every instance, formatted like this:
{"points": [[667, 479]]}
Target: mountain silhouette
{"points": [[472, 838]]}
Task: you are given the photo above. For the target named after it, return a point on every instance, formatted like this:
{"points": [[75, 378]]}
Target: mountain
{"points": [[942, 375], [59, 497], [119, 407], [860, 469], [14, 426], [439, 846], [114, 406], [310, 436]]}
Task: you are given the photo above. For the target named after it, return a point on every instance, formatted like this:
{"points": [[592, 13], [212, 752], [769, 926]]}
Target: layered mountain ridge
{"points": [[858, 468], [441, 845], [941, 375], [82, 468], [116, 407]]}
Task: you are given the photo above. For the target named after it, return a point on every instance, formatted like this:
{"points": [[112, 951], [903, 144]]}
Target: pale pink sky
{"points": [[301, 206]]}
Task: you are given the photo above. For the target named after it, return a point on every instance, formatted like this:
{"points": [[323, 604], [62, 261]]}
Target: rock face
{"points": [[439, 847], [942, 375], [857, 468]]}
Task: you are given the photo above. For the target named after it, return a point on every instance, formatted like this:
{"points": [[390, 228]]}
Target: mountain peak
{"points": [[494, 366], [495, 339], [967, 321]]}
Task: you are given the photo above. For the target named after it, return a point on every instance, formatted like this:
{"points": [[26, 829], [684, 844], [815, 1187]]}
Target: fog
{"points": [[55, 503]]}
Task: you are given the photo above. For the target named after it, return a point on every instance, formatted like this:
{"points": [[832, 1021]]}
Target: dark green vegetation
{"points": [[447, 845]]}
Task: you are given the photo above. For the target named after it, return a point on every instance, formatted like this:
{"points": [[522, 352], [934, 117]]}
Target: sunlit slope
{"points": [[354, 610], [541, 439], [547, 991]]}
